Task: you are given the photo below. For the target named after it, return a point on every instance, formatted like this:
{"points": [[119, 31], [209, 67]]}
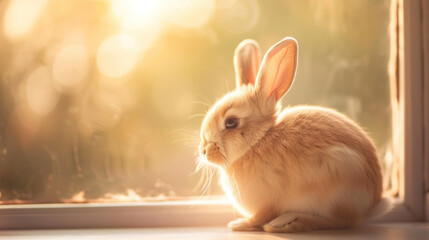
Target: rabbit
{"points": [[298, 169]]}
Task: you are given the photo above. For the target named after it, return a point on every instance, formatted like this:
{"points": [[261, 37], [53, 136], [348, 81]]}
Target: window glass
{"points": [[103, 100]]}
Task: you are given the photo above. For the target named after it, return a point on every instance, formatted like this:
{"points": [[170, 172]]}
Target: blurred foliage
{"points": [[102, 124]]}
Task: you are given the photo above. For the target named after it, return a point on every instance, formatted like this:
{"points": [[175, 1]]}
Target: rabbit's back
{"points": [[303, 129], [318, 136]]}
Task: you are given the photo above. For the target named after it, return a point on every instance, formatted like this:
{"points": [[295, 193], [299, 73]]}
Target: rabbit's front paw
{"points": [[243, 224], [287, 222], [299, 222]]}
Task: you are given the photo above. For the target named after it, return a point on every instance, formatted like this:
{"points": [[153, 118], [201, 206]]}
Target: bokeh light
{"points": [[141, 18], [41, 95], [136, 14], [21, 16], [240, 15], [71, 65], [189, 13], [117, 55]]}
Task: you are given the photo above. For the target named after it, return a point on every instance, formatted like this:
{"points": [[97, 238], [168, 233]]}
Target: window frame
{"points": [[411, 128], [425, 59]]}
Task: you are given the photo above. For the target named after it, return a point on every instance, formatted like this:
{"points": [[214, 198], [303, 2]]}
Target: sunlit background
{"points": [[103, 99]]}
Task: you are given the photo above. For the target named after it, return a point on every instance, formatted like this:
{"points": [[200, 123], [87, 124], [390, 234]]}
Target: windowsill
{"points": [[128, 215], [391, 231], [116, 215]]}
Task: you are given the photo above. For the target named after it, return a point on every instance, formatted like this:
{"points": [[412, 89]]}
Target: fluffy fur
{"points": [[299, 169]]}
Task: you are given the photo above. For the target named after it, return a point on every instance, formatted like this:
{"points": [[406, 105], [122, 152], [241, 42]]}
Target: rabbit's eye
{"points": [[231, 123]]}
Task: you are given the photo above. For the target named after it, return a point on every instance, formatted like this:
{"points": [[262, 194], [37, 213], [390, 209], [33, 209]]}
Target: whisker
{"points": [[195, 115], [206, 100], [200, 164], [194, 135], [188, 137], [184, 131], [207, 180], [202, 181], [202, 103], [208, 185], [186, 140]]}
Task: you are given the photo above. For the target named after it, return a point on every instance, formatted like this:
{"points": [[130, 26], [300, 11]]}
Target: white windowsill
{"points": [[119, 215], [125, 215], [388, 231]]}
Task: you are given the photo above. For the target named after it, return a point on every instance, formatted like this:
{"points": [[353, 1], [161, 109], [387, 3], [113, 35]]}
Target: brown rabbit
{"points": [[298, 169]]}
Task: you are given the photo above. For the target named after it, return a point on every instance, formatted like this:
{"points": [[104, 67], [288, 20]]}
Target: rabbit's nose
{"points": [[203, 146], [203, 149]]}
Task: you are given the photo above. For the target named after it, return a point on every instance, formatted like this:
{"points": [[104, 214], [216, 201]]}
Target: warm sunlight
{"points": [[137, 14], [141, 14], [240, 15], [71, 65], [15, 25], [103, 100], [189, 13], [41, 94], [117, 55]]}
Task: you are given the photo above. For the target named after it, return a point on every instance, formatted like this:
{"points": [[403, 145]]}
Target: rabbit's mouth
{"points": [[213, 154]]}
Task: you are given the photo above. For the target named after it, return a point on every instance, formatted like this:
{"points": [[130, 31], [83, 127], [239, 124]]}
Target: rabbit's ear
{"points": [[278, 68], [247, 59]]}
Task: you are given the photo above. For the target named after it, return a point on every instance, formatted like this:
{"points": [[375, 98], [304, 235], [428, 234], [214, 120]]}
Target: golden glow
{"points": [[189, 13], [117, 55], [240, 15], [141, 23], [131, 196], [78, 197], [100, 55], [125, 84], [40, 92], [21, 16], [143, 14], [136, 14], [71, 65], [141, 17]]}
